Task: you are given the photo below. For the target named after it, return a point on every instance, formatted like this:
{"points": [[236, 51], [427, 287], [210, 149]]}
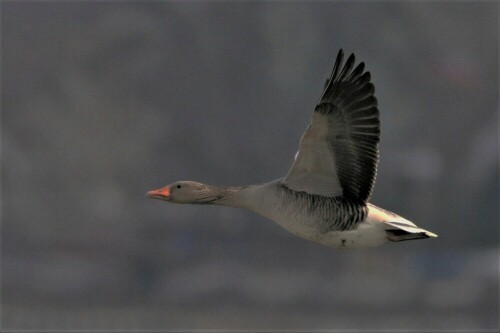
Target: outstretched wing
{"points": [[338, 153]]}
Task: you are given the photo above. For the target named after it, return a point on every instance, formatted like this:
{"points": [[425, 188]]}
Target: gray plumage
{"points": [[324, 197], [330, 213]]}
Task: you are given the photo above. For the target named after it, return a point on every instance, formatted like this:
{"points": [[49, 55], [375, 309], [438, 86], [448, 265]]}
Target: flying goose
{"points": [[324, 196]]}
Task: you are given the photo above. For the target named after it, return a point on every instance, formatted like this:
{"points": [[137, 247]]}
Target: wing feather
{"points": [[338, 153]]}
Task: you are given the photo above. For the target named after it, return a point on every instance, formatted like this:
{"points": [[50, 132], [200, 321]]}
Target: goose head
{"points": [[186, 192]]}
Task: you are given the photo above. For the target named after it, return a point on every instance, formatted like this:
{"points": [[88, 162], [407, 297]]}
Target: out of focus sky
{"points": [[103, 101]]}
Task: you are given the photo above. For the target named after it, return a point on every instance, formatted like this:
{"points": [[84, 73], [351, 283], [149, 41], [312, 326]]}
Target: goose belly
{"points": [[317, 218], [368, 233], [300, 225]]}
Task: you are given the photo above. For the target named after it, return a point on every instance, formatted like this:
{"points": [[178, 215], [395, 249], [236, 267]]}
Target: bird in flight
{"points": [[324, 197]]}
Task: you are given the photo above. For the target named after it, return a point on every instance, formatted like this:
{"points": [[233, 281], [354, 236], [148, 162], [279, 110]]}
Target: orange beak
{"points": [[162, 194]]}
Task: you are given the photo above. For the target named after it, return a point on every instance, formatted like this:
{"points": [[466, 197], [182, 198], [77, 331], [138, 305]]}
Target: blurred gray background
{"points": [[104, 101]]}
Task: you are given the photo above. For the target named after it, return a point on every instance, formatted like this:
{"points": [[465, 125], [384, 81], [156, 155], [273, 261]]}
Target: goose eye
{"points": [[178, 186]]}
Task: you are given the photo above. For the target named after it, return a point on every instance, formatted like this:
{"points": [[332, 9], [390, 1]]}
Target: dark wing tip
{"points": [[349, 64], [335, 72], [356, 72], [337, 66], [349, 100], [351, 58]]}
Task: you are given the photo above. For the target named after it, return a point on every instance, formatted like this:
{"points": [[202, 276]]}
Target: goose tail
{"points": [[397, 232]]}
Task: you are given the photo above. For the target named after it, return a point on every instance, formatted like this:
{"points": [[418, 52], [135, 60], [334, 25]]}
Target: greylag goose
{"points": [[324, 197]]}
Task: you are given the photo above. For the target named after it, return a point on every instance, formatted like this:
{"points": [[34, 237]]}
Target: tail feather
{"points": [[403, 231]]}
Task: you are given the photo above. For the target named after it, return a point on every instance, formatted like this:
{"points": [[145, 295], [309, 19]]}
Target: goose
{"points": [[324, 197]]}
